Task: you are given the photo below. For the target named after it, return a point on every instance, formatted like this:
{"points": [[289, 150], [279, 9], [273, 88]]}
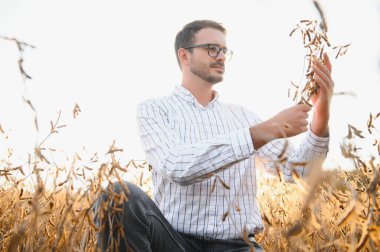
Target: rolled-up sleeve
{"points": [[312, 150]]}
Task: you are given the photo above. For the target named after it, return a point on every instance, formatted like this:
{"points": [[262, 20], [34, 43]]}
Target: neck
{"points": [[201, 90]]}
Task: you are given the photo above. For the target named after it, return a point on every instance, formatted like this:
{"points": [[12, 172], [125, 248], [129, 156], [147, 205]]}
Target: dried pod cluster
{"points": [[315, 41]]}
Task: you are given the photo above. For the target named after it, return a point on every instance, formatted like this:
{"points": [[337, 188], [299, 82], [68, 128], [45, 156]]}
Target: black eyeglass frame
{"points": [[227, 52]]}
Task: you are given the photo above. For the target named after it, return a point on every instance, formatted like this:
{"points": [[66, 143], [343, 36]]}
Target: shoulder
{"points": [[156, 105]]}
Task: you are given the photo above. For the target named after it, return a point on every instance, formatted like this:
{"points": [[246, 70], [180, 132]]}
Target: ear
{"points": [[183, 56]]}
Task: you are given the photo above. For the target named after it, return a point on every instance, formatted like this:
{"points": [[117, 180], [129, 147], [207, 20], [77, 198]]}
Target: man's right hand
{"points": [[287, 123]]}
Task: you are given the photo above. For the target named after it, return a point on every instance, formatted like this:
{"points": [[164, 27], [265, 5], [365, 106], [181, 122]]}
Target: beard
{"points": [[200, 70]]}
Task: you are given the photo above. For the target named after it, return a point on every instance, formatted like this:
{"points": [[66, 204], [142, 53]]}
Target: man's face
{"points": [[201, 64]]}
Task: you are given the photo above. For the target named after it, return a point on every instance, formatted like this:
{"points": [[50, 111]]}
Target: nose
{"points": [[221, 56]]}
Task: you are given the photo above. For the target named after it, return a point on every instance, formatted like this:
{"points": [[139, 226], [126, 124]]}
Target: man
{"points": [[202, 153]]}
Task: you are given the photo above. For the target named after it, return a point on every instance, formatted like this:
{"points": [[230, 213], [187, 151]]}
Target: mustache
{"points": [[217, 64]]}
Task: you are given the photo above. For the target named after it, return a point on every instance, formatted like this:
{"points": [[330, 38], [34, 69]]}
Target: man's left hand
{"points": [[322, 99]]}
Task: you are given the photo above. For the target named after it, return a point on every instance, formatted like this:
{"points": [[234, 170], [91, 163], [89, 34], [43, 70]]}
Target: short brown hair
{"points": [[185, 37]]}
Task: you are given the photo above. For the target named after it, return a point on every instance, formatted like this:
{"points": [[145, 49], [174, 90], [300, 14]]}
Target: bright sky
{"points": [[107, 56]]}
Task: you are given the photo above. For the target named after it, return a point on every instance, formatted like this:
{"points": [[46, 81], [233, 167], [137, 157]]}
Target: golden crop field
{"points": [[331, 211]]}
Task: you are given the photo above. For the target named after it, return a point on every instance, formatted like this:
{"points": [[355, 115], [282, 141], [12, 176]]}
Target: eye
{"points": [[213, 49]]}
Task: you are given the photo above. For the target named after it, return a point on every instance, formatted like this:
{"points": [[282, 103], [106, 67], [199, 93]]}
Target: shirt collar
{"points": [[185, 94]]}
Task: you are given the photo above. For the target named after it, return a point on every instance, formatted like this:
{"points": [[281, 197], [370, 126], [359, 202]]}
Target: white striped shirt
{"points": [[188, 144]]}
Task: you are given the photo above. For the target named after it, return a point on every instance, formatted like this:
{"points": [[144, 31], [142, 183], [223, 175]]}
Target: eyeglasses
{"points": [[214, 50]]}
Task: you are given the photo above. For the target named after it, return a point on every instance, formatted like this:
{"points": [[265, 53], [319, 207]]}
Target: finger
{"points": [[319, 72], [305, 107], [304, 115], [323, 84], [322, 67], [326, 61]]}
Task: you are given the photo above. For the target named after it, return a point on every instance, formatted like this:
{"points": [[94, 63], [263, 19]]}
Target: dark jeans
{"points": [[138, 225]]}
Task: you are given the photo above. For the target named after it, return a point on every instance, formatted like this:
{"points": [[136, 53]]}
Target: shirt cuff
{"points": [[242, 144], [320, 144]]}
